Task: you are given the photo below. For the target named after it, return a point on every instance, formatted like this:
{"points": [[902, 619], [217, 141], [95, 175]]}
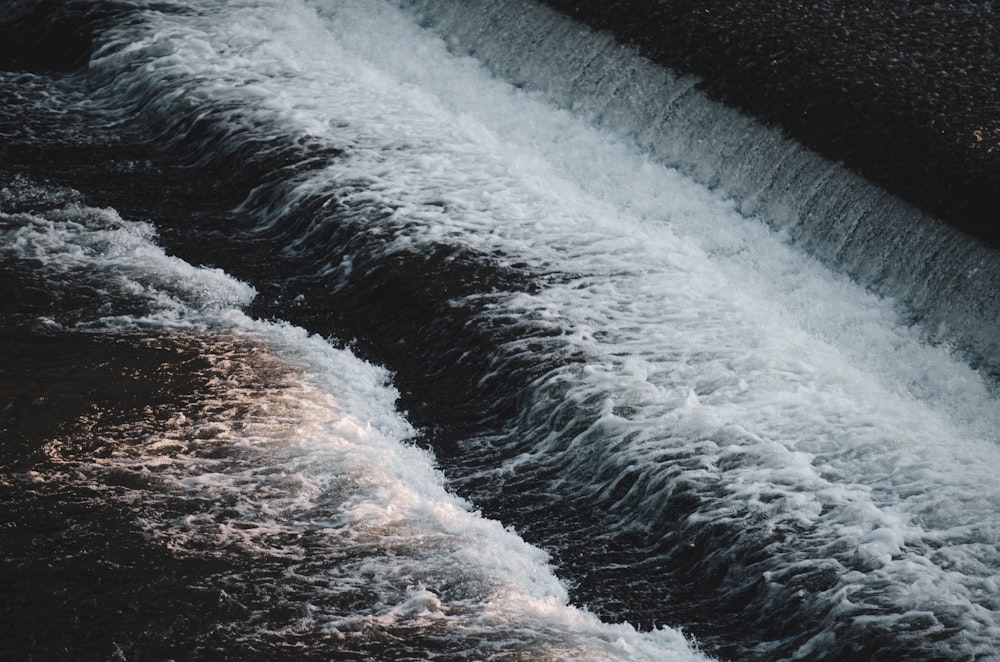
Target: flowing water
{"points": [[371, 329]]}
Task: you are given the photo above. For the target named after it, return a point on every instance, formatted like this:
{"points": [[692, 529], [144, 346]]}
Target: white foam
{"points": [[96, 248], [299, 439], [281, 470], [805, 398]]}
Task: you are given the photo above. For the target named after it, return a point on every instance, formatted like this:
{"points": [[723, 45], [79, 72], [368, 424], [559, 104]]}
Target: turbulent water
{"points": [[371, 329]]}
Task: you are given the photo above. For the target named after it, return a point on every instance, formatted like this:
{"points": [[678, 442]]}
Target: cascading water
{"points": [[947, 281], [654, 369]]}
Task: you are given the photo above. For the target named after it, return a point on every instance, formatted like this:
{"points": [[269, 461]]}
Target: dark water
{"points": [[322, 340]]}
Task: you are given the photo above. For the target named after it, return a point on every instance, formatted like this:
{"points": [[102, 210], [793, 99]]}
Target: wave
{"points": [[627, 358], [288, 452]]}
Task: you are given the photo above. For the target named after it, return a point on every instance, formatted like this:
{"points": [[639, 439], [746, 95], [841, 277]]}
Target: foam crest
{"points": [[94, 252], [349, 527]]}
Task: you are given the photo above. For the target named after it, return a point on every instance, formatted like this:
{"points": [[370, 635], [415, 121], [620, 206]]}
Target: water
{"points": [[903, 92], [362, 330]]}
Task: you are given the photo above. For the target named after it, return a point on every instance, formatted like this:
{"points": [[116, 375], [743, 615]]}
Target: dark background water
{"points": [[905, 92]]}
